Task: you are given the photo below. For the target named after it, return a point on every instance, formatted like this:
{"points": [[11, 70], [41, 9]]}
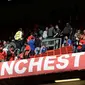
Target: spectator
{"points": [[19, 35], [37, 45], [10, 54], [82, 45], [71, 36], [51, 32], [45, 33], [19, 38], [31, 43], [30, 37], [40, 32], [75, 43], [57, 31], [4, 43], [26, 51], [79, 47], [67, 30], [12, 43], [43, 49], [37, 50], [67, 42], [3, 54], [37, 42], [77, 34]]}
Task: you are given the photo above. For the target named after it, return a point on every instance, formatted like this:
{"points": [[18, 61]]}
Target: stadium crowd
{"points": [[20, 48]]}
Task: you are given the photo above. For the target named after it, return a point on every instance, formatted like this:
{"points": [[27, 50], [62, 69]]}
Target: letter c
{"points": [[16, 68]]}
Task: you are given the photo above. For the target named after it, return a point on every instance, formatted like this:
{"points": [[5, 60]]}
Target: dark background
{"points": [[18, 13]]}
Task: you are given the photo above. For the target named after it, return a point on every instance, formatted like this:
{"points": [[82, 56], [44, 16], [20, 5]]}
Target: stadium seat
{"points": [[69, 49], [39, 55], [57, 52], [44, 54], [63, 50], [50, 52]]}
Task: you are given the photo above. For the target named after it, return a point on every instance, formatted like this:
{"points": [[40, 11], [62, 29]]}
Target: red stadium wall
{"points": [[42, 65]]}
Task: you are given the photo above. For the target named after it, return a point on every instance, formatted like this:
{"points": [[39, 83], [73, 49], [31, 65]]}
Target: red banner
{"points": [[42, 65]]}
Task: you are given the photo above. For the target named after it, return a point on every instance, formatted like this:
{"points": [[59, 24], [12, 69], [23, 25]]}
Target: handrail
{"points": [[55, 42]]}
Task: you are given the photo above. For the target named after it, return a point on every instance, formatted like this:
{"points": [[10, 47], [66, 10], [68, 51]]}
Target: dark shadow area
{"points": [[43, 79]]}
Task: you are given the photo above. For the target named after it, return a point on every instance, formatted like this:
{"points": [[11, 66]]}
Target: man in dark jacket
{"points": [[67, 30], [37, 45]]}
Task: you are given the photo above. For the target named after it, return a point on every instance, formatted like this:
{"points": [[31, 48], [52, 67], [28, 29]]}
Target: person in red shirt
{"points": [[26, 53], [3, 54], [81, 46], [30, 37]]}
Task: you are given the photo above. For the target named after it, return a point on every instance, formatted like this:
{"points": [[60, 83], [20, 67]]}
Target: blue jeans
{"points": [[37, 50]]}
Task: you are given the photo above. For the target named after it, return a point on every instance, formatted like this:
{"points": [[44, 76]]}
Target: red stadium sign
{"points": [[42, 65]]}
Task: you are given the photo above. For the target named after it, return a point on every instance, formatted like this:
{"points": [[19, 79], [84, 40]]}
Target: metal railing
{"points": [[54, 43]]}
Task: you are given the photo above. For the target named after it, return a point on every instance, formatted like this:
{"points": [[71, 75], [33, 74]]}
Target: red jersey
{"points": [[29, 38], [3, 55], [27, 48], [82, 42]]}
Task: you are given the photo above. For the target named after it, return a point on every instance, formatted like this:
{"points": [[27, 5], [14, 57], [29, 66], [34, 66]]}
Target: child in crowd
{"points": [[67, 42]]}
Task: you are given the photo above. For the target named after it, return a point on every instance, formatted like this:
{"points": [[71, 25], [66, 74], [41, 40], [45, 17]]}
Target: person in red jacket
{"points": [[3, 54], [30, 37], [26, 53]]}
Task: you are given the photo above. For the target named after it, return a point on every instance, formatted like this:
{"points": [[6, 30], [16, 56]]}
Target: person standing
{"points": [[67, 30], [57, 31], [51, 32], [45, 33], [19, 38]]}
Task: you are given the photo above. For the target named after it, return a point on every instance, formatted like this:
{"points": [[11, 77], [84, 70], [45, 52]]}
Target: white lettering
{"points": [[48, 61], [8, 68], [77, 57], [17, 67], [38, 64], [65, 61]]}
